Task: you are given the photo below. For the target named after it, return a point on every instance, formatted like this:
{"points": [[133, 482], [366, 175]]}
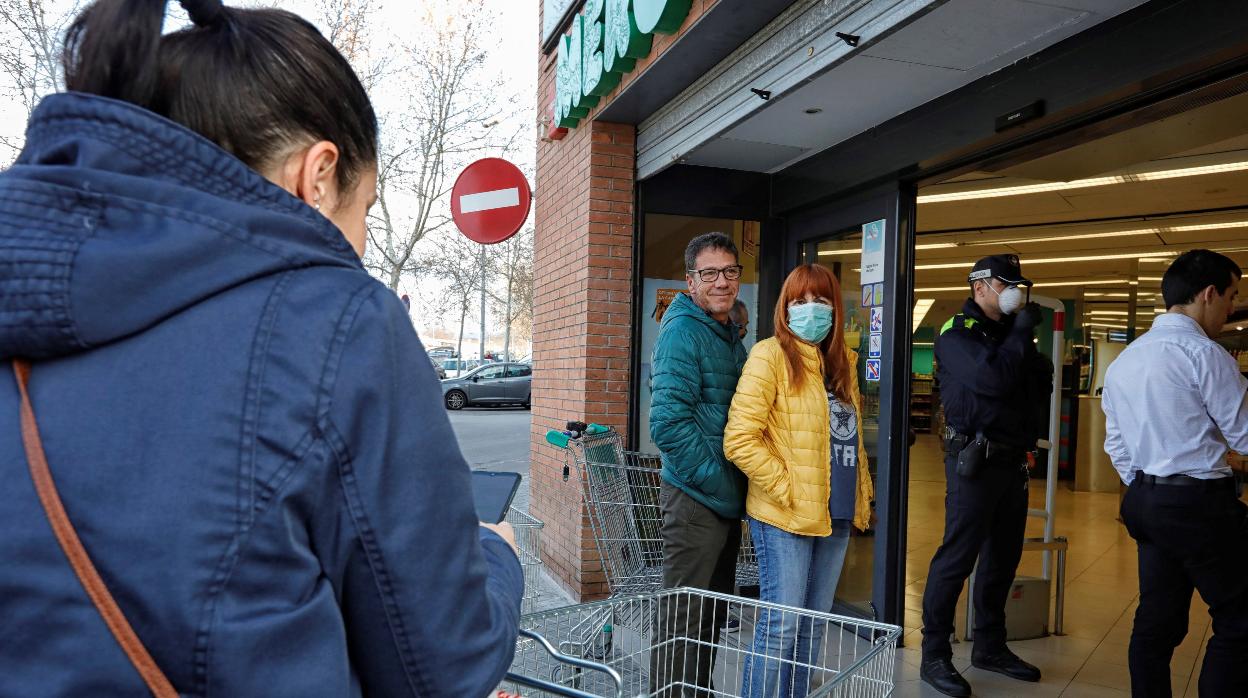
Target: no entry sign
{"points": [[490, 200]]}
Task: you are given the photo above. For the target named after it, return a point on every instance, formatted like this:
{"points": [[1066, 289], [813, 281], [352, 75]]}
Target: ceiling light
{"points": [[921, 306], [1205, 226], [1043, 187], [1090, 236], [1060, 238], [1150, 278], [1108, 312], [858, 250], [924, 344], [1039, 284], [1239, 328], [1058, 260]]}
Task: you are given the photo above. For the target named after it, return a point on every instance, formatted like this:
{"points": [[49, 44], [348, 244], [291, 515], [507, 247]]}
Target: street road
{"points": [[496, 438]]}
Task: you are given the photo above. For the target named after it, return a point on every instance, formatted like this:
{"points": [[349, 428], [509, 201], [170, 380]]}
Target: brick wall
{"points": [[582, 307]]}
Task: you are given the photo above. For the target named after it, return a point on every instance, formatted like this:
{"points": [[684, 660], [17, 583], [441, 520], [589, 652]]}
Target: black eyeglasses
{"points": [[708, 276]]}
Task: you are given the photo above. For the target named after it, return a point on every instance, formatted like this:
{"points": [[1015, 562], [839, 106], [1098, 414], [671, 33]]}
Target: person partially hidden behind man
{"points": [[697, 361], [995, 389], [1174, 401]]}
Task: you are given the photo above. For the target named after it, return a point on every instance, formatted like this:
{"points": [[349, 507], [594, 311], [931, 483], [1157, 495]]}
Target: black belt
{"points": [[1185, 481], [955, 442]]}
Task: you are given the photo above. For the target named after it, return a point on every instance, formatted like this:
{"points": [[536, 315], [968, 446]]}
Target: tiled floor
{"points": [[1102, 591]]}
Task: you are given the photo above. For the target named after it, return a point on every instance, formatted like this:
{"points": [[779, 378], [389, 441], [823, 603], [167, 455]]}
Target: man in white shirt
{"points": [[1174, 402]]}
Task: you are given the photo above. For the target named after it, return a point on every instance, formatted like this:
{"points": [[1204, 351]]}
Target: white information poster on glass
{"points": [[873, 252]]}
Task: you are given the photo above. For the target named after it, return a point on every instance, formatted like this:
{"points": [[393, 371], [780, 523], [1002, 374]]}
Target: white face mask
{"points": [[1010, 300]]}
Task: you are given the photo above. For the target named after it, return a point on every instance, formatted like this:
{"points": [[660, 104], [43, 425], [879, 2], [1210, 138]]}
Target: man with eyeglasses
{"points": [[697, 360], [994, 387]]}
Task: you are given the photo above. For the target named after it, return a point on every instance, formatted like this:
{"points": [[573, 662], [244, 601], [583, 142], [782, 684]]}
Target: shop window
{"points": [[663, 272]]}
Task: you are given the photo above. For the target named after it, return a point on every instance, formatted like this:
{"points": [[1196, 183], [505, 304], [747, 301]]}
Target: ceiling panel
{"points": [[840, 94], [743, 154], [951, 46], [1222, 190], [969, 33]]}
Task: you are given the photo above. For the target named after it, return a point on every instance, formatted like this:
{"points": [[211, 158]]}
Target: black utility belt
{"points": [[995, 451], [972, 453]]}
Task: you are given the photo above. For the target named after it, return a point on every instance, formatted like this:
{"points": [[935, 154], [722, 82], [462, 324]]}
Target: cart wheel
{"points": [[455, 400]]}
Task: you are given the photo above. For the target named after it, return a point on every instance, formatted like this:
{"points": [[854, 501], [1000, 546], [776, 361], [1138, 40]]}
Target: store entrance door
{"points": [[859, 242]]}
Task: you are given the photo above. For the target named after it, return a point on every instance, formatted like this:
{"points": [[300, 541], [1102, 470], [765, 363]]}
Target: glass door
{"points": [[840, 254], [859, 243]]}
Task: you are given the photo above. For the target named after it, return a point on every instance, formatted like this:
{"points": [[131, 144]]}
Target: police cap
{"points": [[1000, 266]]}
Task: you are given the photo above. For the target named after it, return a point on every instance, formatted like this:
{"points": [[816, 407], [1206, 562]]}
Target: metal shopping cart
{"points": [[620, 490], [639, 645], [529, 550]]}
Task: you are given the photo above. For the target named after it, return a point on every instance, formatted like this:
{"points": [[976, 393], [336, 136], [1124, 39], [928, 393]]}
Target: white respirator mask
{"points": [[1010, 300]]}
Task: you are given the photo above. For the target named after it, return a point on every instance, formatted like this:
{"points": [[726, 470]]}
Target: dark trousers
{"points": [[700, 551], [985, 518], [1189, 538]]}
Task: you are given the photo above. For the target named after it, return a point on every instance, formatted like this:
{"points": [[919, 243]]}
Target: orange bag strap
{"points": [[77, 554]]}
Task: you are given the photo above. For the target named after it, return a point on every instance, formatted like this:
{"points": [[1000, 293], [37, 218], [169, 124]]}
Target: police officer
{"points": [[995, 389]]}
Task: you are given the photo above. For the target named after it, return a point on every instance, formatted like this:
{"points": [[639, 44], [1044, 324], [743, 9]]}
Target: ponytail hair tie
{"points": [[204, 13]]}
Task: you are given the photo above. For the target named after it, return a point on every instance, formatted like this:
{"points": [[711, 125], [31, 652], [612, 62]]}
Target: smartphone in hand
{"points": [[492, 492]]}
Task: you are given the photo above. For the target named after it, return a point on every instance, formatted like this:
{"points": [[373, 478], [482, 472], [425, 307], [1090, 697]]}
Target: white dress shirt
{"points": [[1174, 400]]}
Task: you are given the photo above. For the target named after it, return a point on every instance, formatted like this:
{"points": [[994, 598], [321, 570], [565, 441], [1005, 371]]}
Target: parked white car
{"points": [[457, 367]]}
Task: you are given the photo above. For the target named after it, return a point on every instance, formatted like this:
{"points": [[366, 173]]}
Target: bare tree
{"points": [[348, 25], [512, 262], [457, 261], [31, 36], [451, 113]]}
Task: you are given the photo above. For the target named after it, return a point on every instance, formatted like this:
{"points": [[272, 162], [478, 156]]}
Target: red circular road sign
{"points": [[490, 200]]}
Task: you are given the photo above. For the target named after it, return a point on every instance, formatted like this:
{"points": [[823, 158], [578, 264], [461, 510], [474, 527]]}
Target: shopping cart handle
{"points": [[558, 689], [595, 429], [558, 438]]}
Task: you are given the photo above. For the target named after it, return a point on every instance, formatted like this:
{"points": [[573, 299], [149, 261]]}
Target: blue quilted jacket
{"points": [[697, 361], [243, 428]]}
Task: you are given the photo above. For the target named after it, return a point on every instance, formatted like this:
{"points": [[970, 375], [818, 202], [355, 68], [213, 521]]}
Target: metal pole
{"points": [[1055, 432], [1054, 437], [481, 355], [1059, 616]]}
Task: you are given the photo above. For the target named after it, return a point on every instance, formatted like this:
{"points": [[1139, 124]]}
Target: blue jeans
{"points": [[798, 571]]}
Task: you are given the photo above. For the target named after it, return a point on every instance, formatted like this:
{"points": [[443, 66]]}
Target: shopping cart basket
{"points": [[621, 493], [529, 549], [647, 645]]}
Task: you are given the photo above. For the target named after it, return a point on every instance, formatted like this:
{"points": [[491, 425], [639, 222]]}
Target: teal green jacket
{"points": [[697, 361]]}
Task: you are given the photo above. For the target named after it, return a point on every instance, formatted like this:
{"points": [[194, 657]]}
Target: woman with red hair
{"points": [[793, 430]]}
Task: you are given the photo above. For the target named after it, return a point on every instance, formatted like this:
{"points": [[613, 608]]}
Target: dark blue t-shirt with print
{"points": [[844, 465]]}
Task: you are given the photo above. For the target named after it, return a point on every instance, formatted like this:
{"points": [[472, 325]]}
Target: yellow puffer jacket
{"points": [[782, 442]]}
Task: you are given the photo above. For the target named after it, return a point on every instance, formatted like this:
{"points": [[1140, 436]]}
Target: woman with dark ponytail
{"points": [[233, 476]]}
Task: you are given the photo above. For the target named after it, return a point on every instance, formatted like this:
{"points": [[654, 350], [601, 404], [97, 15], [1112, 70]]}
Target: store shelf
{"points": [[923, 402]]}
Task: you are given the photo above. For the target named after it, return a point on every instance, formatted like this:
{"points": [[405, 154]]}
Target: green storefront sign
{"points": [[606, 40]]}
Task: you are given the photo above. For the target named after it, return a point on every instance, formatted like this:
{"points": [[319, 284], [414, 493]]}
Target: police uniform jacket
{"points": [[992, 379]]}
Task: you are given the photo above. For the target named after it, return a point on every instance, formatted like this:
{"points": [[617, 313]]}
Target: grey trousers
{"points": [[700, 551]]}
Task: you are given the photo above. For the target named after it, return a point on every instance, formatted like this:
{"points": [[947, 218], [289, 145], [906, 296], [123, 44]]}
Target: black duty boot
{"points": [[1003, 661], [941, 675]]}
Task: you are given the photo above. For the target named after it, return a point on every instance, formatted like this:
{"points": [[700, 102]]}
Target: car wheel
{"points": [[528, 403], [455, 400]]}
